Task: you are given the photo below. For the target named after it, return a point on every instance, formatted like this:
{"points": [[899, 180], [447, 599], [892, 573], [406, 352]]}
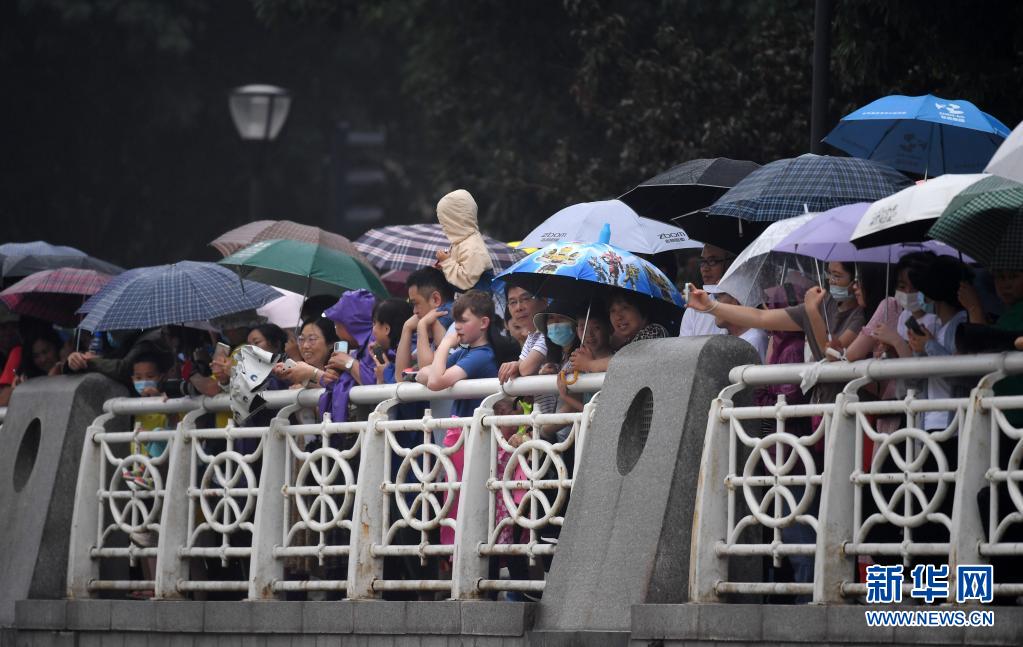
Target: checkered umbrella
{"points": [[786, 188], [172, 294], [54, 295], [985, 221], [260, 230], [410, 247], [22, 259]]}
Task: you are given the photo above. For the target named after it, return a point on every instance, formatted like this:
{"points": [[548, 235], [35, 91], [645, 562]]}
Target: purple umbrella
{"points": [[826, 238]]}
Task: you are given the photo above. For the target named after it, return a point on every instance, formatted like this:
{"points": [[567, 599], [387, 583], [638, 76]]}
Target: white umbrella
{"points": [[582, 223], [285, 311], [1008, 159], [758, 267], [907, 215]]}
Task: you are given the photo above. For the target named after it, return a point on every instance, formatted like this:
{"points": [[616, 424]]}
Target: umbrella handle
{"points": [[570, 380]]}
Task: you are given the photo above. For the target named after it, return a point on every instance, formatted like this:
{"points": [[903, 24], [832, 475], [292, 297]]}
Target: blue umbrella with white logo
{"points": [[926, 135]]}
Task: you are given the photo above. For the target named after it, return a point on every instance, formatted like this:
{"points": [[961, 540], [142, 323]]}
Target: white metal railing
{"points": [[264, 510], [817, 498]]}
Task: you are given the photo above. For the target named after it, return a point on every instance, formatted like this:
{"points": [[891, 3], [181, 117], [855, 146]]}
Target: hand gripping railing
{"points": [[258, 509], [819, 500]]}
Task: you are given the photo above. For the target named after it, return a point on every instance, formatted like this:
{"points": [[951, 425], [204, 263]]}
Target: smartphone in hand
{"points": [[222, 351], [915, 326], [341, 346]]}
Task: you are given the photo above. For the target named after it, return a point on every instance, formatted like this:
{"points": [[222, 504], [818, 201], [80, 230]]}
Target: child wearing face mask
{"points": [[557, 324], [148, 373]]}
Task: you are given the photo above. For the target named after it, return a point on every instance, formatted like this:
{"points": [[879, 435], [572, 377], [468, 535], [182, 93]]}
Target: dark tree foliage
{"points": [[117, 137]]}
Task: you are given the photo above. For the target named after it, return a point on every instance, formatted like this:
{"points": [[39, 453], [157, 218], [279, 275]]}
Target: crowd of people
{"points": [[455, 322]]}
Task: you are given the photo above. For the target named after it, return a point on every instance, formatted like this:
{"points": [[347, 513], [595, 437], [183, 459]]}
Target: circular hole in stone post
{"points": [[635, 429], [26, 458]]}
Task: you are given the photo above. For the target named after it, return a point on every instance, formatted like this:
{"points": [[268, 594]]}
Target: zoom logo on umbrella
{"points": [[673, 235], [552, 236]]}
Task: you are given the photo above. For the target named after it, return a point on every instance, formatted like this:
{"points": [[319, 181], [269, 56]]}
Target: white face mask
{"points": [[911, 301]]}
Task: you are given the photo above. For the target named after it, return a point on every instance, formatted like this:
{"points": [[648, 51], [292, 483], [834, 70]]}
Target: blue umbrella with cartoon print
{"points": [[578, 271]]}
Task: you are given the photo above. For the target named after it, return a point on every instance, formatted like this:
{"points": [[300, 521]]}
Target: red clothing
{"points": [[11, 367]]}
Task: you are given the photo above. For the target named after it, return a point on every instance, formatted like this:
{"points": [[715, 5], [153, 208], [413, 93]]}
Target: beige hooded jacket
{"points": [[469, 258]]}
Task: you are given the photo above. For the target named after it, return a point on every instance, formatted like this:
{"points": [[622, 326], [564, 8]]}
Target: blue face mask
{"points": [[839, 293], [561, 334], [142, 385]]}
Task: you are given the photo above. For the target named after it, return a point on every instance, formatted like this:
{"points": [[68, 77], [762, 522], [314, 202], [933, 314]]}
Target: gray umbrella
{"points": [[22, 259]]}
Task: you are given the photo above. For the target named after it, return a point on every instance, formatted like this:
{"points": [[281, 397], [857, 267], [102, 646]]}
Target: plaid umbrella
{"points": [[986, 221], [688, 187], [54, 295], [259, 230], [22, 259], [786, 188], [410, 247], [172, 294]]}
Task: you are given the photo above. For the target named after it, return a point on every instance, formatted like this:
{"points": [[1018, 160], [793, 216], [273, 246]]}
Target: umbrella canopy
{"points": [[411, 247], [583, 221], [825, 237], [258, 230], [986, 221], [285, 312], [926, 135], [786, 188], [907, 215], [54, 295], [22, 259], [580, 271], [172, 294], [759, 267], [1008, 159], [688, 187], [305, 268]]}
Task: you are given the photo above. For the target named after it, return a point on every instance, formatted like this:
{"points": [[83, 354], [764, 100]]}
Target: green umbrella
{"points": [[985, 221], [302, 267]]}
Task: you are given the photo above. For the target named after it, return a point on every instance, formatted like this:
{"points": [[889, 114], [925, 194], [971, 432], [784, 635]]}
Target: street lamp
{"points": [[259, 113]]}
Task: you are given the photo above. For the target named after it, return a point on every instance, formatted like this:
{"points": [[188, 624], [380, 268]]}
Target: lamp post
{"points": [[259, 113]]}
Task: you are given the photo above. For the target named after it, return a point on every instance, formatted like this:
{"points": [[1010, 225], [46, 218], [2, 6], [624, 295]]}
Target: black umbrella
{"points": [[688, 187]]}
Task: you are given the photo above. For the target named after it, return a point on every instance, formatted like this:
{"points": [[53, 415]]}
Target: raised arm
{"points": [[742, 316]]}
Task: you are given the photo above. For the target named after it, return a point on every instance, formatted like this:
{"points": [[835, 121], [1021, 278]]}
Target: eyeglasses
{"points": [[312, 339], [521, 300], [711, 262]]}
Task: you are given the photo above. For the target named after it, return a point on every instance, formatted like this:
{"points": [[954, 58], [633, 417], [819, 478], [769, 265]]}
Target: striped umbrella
{"points": [[54, 295], [410, 247], [172, 294], [786, 188], [986, 221], [260, 230]]}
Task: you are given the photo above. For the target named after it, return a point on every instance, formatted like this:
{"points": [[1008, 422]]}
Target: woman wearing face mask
{"points": [[837, 307], [869, 290], [911, 303]]}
